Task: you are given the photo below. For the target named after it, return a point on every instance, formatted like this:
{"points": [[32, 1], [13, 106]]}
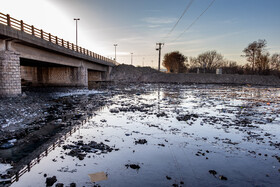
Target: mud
{"points": [[173, 135]]}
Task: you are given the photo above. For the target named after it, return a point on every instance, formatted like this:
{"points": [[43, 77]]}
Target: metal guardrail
{"points": [[52, 147], [5, 19]]}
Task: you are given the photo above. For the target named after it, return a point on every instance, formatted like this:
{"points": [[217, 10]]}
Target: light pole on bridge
{"points": [[131, 57], [76, 19], [115, 51]]}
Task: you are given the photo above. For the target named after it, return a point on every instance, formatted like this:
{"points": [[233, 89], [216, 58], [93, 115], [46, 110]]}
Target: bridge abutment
{"points": [[10, 81]]}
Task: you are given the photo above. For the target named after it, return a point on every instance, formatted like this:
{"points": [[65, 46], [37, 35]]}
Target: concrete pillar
{"points": [[106, 74], [10, 81], [83, 76]]}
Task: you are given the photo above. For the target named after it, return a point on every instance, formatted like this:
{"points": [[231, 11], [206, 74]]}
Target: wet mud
{"points": [[172, 135]]}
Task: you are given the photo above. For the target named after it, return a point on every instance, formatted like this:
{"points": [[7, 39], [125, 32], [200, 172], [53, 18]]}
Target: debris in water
{"points": [[212, 172], [50, 181], [221, 177], [141, 141], [133, 166], [100, 176]]}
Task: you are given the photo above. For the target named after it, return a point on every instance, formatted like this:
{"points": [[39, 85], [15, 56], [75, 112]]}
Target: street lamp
{"points": [[115, 51], [76, 19], [131, 57]]}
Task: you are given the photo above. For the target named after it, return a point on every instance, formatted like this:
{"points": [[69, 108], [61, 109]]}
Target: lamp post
{"points": [[131, 57], [76, 19], [115, 51]]}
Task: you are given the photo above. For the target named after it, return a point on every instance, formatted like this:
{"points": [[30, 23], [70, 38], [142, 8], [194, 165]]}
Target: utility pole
{"points": [[131, 57], [159, 53], [253, 67], [115, 51], [76, 19]]}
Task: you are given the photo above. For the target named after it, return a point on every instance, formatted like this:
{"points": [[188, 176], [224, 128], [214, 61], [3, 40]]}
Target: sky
{"points": [[227, 26]]}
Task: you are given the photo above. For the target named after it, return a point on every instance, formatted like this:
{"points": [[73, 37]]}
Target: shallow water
{"points": [[189, 130]]}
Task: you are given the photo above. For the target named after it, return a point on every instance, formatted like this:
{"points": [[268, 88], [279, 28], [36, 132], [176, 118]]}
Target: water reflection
{"points": [[166, 135]]}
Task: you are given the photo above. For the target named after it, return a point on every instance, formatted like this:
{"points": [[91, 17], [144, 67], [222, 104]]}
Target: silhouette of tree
{"points": [[175, 62], [254, 53], [209, 60], [275, 61]]}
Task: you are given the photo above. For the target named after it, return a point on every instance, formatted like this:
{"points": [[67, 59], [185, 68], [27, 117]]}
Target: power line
{"points": [[195, 20], [188, 6]]}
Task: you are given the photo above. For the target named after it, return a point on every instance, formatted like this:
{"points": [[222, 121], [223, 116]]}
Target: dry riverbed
{"points": [[166, 135]]}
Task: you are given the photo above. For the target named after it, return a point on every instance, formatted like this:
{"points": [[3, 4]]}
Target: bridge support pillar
{"points": [[83, 76], [10, 81], [106, 74]]}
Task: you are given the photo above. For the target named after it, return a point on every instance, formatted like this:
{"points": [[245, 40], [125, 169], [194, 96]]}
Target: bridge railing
{"points": [[5, 19]]}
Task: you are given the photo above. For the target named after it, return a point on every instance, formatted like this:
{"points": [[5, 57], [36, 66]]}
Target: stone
{"points": [[50, 181]]}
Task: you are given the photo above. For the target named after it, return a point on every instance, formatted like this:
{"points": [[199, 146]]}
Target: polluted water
{"points": [[171, 135]]}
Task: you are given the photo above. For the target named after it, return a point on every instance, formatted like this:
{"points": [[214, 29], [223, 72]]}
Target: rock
{"points": [[81, 156], [23, 95], [50, 181], [59, 185], [141, 141], [186, 117], [80, 149], [73, 184], [114, 110], [168, 178], [162, 114], [221, 177], [212, 172], [133, 166]]}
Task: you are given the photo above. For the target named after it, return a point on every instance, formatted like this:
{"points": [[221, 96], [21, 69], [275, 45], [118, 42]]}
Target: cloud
{"points": [[154, 26], [156, 20], [152, 10]]}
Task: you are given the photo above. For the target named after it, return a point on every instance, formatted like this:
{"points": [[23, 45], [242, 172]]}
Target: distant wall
{"points": [[128, 73]]}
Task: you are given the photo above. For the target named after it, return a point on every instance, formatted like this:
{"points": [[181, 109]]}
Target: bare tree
{"points": [[253, 51], [262, 62], [275, 61], [210, 60], [192, 63]]}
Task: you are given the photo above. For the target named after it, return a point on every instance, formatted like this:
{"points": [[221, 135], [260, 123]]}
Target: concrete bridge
{"points": [[31, 56]]}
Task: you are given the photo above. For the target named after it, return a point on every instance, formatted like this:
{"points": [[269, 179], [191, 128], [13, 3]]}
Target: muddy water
{"points": [[164, 135]]}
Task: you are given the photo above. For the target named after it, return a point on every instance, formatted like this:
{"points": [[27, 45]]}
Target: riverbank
{"points": [[127, 73], [38, 116], [33, 121]]}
